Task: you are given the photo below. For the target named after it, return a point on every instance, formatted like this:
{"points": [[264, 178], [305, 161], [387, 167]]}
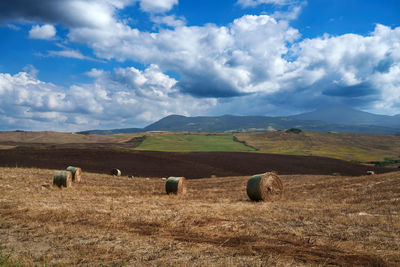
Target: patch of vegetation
{"points": [[194, 142], [138, 139], [294, 130], [235, 139], [5, 260], [385, 162]]}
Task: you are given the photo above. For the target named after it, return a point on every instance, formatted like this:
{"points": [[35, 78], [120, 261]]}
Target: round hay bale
{"points": [[76, 173], [176, 185], [115, 172], [62, 178], [264, 187]]}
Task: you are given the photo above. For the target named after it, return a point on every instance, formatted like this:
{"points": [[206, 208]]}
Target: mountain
{"points": [[227, 123], [330, 119], [112, 131], [176, 123], [349, 116]]}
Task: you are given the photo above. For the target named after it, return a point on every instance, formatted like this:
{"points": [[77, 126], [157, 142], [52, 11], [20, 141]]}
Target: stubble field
{"points": [[321, 220]]}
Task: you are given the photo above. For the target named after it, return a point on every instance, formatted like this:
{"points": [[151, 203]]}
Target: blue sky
{"points": [[86, 64]]}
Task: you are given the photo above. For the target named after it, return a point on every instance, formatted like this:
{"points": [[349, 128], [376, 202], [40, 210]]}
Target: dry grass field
{"points": [[53, 137], [346, 146], [113, 221]]}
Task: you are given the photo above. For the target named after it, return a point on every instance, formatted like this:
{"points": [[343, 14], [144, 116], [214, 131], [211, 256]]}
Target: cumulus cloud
{"points": [[257, 59], [352, 66], [45, 32], [244, 57], [77, 13], [157, 6], [89, 13], [121, 98], [170, 21]]}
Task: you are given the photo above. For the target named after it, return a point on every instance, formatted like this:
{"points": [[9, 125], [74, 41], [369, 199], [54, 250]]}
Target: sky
{"points": [[72, 65]]}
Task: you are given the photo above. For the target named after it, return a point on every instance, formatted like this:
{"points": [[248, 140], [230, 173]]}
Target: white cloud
{"points": [[171, 21], [69, 53], [254, 3], [76, 13], [258, 59], [231, 60], [13, 27], [121, 98], [46, 32], [157, 6], [292, 13], [257, 54]]}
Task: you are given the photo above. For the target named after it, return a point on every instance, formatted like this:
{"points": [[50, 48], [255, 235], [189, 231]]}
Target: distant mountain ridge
{"points": [[344, 120], [349, 116]]}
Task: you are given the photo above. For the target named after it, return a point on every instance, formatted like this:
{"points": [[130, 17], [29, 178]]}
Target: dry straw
{"points": [[62, 178], [116, 172], [176, 185], [76, 173], [264, 187]]}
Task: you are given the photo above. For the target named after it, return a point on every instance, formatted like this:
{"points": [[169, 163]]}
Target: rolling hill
{"points": [[230, 123], [52, 137]]}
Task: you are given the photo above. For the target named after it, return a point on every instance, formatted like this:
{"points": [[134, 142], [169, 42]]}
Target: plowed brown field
{"points": [[115, 221], [163, 164]]}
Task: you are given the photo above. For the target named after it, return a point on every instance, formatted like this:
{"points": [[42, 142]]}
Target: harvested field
{"points": [[189, 165], [320, 220]]}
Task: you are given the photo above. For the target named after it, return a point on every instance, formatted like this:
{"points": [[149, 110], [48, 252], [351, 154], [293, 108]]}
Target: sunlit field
{"points": [[321, 220]]}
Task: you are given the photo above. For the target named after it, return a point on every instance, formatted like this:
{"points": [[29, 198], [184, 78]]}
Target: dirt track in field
{"points": [[190, 165]]}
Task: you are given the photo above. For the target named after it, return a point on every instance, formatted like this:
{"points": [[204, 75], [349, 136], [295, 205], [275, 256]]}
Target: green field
{"points": [[193, 142], [351, 147]]}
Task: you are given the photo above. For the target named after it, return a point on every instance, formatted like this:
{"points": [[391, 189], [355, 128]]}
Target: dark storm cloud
{"points": [[207, 86], [52, 11], [358, 90]]}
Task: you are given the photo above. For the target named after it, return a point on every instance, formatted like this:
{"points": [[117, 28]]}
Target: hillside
{"points": [[229, 123], [118, 221], [52, 137], [352, 147], [310, 122], [349, 116]]}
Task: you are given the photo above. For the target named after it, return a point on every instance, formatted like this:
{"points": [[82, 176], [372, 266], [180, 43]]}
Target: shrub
{"points": [[294, 130]]}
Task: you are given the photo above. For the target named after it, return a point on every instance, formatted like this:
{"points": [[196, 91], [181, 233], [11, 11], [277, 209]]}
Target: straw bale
{"points": [[62, 179], [264, 187], [116, 172], [76, 173], [176, 185]]}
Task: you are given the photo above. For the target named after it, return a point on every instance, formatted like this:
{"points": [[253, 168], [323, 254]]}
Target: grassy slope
{"points": [[193, 142], [352, 147], [117, 221]]}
